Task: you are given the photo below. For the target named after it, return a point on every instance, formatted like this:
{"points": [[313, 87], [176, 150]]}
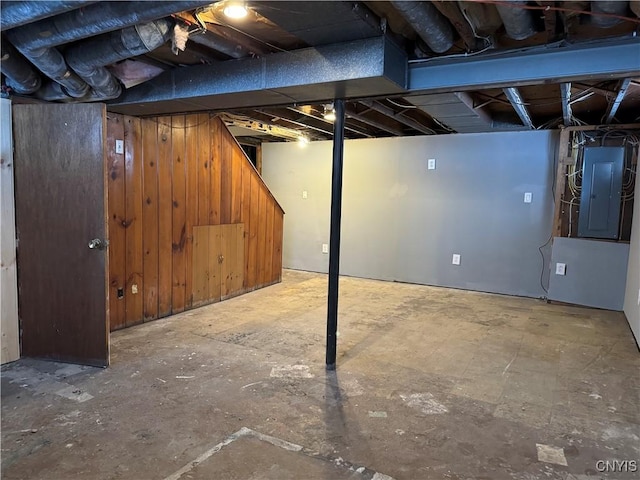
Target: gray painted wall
{"points": [[596, 272], [404, 222], [632, 295]]}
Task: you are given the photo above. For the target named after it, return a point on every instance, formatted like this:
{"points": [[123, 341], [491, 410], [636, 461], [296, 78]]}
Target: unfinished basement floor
{"points": [[432, 383]]}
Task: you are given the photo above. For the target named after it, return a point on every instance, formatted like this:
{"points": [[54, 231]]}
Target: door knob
{"points": [[98, 244]]}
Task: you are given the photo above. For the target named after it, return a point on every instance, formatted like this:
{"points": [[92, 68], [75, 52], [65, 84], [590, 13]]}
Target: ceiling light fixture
{"points": [[329, 113], [235, 10], [303, 141]]}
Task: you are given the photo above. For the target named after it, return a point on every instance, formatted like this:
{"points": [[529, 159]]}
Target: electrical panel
{"points": [[602, 171]]}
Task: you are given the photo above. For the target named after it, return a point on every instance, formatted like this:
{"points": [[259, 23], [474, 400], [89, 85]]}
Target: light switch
{"points": [[431, 164], [120, 146], [527, 197], [561, 268], [456, 259], [325, 248], [304, 194]]}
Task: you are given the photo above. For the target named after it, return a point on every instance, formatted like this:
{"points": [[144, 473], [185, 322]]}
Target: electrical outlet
{"points": [[134, 288], [527, 197], [455, 260], [431, 164], [325, 248], [304, 194], [120, 146], [561, 268]]}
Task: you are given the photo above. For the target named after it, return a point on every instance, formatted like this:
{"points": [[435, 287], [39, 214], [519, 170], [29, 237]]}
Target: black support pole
{"points": [[334, 239]]}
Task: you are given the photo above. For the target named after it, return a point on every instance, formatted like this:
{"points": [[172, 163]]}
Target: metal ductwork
{"points": [[14, 14], [21, 76], [518, 21], [93, 20], [429, 23], [609, 7], [88, 58], [35, 40]]}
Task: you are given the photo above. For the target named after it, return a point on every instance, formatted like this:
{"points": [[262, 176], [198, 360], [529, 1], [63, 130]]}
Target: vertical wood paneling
{"points": [[247, 173], [237, 158], [268, 249], [226, 171], [179, 220], [165, 231], [191, 201], [261, 235], [183, 176], [134, 194], [117, 222], [204, 169], [215, 152], [215, 261], [278, 229], [200, 262], [150, 218], [252, 266]]}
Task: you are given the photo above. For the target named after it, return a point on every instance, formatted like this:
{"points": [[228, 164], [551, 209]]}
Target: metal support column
{"points": [[334, 239]]}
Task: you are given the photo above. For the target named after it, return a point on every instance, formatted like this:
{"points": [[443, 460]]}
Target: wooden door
{"points": [[60, 210]]}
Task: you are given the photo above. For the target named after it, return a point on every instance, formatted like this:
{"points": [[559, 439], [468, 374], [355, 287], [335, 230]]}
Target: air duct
{"points": [[14, 14], [518, 22], [609, 7], [35, 40], [93, 20], [88, 58], [21, 76], [429, 23]]}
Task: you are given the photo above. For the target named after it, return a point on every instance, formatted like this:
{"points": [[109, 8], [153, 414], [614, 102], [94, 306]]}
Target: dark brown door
{"points": [[60, 201]]}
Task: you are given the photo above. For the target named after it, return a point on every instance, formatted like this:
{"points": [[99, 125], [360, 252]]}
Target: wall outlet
{"points": [[527, 197], [431, 164], [325, 248], [134, 288], [455, 260], [120, 146], [304, 194], [561, 268]]}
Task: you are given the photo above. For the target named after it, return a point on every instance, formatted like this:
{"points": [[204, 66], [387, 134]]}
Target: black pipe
{"points": [[14, 14], [88, 58], [21, 77], [334, 235]]}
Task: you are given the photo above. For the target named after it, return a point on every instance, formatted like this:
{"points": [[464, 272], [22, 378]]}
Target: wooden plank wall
{"points": [[176, 173]]}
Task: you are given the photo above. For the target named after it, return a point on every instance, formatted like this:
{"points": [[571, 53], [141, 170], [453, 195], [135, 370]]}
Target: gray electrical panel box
{"points": [[602, 171]]}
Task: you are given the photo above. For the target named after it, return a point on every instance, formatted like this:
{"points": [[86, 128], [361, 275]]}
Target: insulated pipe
{"points": [[334, 235], [93, 20], [21, 76], [88, 58], [617, 8], [14, 14], [51, 62], [518, 22], [429, 23]]}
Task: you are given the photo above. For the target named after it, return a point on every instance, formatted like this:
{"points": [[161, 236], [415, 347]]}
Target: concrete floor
{"points": [[432, 383]]}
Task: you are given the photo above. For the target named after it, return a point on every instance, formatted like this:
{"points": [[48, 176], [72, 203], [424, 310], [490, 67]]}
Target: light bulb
{"points": [[235, 10]]}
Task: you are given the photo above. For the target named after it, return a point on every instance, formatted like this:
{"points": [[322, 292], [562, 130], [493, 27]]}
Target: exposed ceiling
{"points": [[405, 68]]}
